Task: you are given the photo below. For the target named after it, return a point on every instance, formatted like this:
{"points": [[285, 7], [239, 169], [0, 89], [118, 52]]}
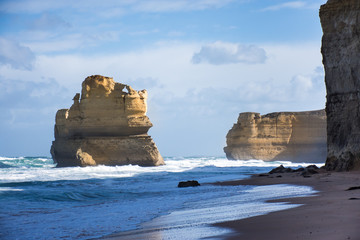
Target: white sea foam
{"points": [[9, 189], [22, 173], [223, 162], [10, 158]]}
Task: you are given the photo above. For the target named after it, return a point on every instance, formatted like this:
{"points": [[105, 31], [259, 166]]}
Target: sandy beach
{"points": [[332, 214]]}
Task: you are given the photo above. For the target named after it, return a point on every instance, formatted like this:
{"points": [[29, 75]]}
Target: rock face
{"points": [[106, 125], [340, 22], [292, 136]]}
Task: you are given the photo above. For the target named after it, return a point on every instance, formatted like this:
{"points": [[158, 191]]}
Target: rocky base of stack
{"points": [[111, 151]]}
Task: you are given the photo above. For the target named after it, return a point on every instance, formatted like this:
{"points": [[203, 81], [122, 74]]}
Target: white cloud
{"points": [[308, 86], [49, 21], [28, 114], [302, 82], [144, 83], [67, 42], [118, 7], [178, 5], [157, 66], [286, 5], [225, 53], [144, 32], [45, 42], [21, 96], [305, 4], [17, 56], [176, 34]]}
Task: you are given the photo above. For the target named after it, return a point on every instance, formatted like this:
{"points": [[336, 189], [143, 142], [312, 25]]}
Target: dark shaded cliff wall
{"points": [[340, 21]]}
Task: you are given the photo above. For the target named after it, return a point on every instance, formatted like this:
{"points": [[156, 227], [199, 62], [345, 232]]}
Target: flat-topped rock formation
{"points": [[341, 51], [106, 125], [291, 136]]}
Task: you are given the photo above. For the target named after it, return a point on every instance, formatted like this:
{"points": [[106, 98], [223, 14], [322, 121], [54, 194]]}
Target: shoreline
{"points": [[333, 213]]}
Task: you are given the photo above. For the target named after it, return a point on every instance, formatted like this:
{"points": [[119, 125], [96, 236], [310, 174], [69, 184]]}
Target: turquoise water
{"points": [[39, 201]]}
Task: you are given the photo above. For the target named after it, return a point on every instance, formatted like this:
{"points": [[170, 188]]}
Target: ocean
{"points": [[39, 201]]}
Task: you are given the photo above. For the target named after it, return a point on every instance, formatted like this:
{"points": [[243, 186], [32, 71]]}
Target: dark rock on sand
{"points": [[305, 172], [312, 169], [281, 169], [263, 175], [299, 169], [353, 188], [191, 183]]}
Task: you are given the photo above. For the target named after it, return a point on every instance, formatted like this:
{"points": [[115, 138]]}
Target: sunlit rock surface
{"points": [[341, 59], [291, 136], [106, 125]]}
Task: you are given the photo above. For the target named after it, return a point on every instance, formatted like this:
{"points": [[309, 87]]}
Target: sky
{"points": [[201, 61]]}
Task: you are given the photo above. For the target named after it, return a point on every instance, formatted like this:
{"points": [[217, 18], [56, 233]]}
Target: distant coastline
{"points": [[289, 136]]}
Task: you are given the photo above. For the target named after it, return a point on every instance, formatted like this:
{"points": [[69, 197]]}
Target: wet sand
{"points": [[332, 214]]}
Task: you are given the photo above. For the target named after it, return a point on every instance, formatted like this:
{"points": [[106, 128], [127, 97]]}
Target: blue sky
{"points": [[202, 62]]}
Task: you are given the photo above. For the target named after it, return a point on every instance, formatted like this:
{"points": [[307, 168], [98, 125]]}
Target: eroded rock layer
{"points": [[106, 125], [340, 22], [292, 136]]}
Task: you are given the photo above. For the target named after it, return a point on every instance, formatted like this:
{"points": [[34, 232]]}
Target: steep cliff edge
{"points": [[293, 136], [106, 125], [340, 21]]}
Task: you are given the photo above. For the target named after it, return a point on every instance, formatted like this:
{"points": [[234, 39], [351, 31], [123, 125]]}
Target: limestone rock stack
{"points": [[292, 136], [106, 125], [340, 20]]}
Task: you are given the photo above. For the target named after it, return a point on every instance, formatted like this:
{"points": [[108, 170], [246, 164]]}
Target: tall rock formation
{"points": [[106, 125], [291, 136], [340, 21]]}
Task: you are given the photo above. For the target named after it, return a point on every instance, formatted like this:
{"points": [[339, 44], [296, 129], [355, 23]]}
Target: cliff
{"points": [[341, 50], [292, 136], [106, 125]]}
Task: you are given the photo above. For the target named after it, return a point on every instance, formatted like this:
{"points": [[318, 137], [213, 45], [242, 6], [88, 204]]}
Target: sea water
{"points": [[39, 201]]}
